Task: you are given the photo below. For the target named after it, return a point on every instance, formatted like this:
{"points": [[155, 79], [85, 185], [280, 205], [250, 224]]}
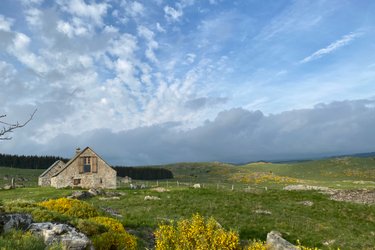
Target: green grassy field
{"points": [[250, 209], [31, 175]]}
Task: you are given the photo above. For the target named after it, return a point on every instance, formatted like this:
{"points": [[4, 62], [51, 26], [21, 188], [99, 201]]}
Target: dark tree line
{"points": [[144, 173], [31, 162]]}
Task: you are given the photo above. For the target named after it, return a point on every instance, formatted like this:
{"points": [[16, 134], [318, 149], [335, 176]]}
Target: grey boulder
{"points": [[64, 234]]}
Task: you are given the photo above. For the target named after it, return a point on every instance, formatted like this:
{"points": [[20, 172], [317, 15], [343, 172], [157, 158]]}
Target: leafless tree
{"points": [[8, 127]]}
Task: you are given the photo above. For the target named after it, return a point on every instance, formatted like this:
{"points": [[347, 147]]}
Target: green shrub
{"points": [[112, 240], [90, 228], [42, 215], [19, 206], [20, 240]]}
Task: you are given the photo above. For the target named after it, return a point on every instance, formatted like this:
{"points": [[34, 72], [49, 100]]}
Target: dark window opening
{"points": [[86, 165], [76, 181], [86, 168]]}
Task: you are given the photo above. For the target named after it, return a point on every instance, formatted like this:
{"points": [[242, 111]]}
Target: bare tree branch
{"points": [[9, 127]]}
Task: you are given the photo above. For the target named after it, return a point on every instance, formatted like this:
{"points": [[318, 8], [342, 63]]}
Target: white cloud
{"points": [[151, 43], [123, 46], [345, 40], [190, 58], [5, 23], [33, 17], [172, 14], [298, 16], [135, 9], [160, 28], [32, 2], [20, 50], [93, 11]]}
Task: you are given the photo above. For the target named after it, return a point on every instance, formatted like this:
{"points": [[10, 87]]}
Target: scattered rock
{"points": [[260, 211], [306, 203], [276, 242], [329, 242], [80, 195], [5, 178], [96, 191], [364, 182], [125, 179], [109, 198], [160, 189], [149, 198], [361, 196], [7, 187], [136, 186], [17, 221], [68, 236], [19, 185], [111, 211], [113, 194], [305, 187], [197, 185]]}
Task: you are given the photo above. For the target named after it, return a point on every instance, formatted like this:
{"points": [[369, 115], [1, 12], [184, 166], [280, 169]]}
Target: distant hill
{"points": [[328, 169]]}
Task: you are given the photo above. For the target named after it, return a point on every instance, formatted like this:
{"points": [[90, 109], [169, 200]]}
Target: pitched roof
{"points": [[75, 157], [51, 167]]}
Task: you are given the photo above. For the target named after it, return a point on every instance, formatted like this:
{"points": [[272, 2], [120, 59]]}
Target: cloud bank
{"points": [[235, 135]]}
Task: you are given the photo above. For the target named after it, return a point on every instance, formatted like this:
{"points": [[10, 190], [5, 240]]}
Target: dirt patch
{"points": [[362, 196]]}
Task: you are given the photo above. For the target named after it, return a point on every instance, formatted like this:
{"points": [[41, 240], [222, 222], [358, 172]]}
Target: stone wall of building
{"points": [[45, 180], [71, 176]]}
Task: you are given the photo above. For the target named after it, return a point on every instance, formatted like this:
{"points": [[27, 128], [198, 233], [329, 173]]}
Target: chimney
{"points": [[78, 150]]}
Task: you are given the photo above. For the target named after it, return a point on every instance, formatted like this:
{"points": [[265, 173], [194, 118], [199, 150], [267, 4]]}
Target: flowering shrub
{"points": [[70, 207], [196, 233], [115, 238], [109, 223], [111, 240], [300, 247], [257, 245]]}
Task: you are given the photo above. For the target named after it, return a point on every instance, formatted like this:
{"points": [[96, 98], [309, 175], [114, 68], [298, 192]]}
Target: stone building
{"points": [[86, 170]]}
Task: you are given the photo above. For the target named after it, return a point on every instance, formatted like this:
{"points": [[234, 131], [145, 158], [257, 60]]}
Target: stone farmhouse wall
{"points": [[101, 175], [45, 180]]}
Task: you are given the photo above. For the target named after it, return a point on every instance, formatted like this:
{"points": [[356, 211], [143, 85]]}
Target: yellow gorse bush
{"points": [[257, 245], [195, 233], [115, 238], [109, 223], [70, 207]]}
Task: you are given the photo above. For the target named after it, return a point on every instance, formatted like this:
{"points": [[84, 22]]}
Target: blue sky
{"points": [[177, 71]]}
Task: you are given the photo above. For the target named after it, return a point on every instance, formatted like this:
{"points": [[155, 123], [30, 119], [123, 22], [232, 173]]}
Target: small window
{"points": [[76, 181], [101, 181], [87, 165], [86, 168]]}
